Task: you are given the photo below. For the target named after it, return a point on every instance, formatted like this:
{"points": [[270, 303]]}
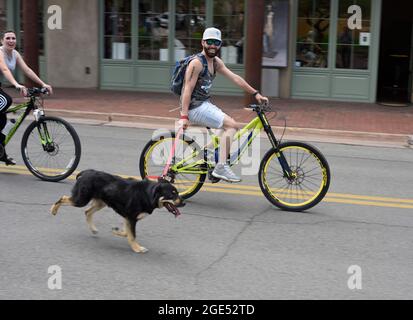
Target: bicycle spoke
{"points": [[304, 184], [185, 155], [57, 156]]}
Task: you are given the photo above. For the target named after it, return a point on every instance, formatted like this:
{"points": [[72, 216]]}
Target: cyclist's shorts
{"points": [[207, 115]]}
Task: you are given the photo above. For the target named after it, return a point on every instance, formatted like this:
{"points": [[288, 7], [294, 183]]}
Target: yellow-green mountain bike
{"points": [[293, 176], [50, 146]]}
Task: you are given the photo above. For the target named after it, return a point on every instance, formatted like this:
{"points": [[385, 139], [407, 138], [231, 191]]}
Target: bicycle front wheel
{"points": [[51, 149], [187, 154], [310, 176]]}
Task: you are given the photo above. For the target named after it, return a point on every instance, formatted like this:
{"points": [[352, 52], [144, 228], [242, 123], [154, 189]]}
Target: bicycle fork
{"points": [[45, 138], [288, 173]]}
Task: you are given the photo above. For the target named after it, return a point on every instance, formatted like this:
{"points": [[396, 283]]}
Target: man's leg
{"points": [[222, 170], [230, 127]]}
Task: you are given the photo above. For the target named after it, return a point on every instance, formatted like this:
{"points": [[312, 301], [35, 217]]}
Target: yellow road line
{"points": [[256, 191], [326, 199], [359, 197], [237, 187], [329, 194], [368, 203]]}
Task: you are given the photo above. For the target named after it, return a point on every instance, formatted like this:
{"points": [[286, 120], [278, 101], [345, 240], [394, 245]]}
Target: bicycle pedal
{"points": [[212, 179]]}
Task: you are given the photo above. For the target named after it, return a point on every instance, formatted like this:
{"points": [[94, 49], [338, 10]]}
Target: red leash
{"points": [[172, 154]]}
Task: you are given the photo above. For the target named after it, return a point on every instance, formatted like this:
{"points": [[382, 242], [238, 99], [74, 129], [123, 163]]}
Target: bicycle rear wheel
{"points": [[155, 155], [51, 149], [310, 181]]}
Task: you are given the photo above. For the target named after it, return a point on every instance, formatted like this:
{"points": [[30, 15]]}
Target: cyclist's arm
{"points": [[7, 73], [30, 73], [238, 80], [191, 77]]}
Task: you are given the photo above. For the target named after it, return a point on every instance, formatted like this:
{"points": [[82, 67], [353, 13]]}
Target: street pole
{"points": [[253, 54], [31, 43]]}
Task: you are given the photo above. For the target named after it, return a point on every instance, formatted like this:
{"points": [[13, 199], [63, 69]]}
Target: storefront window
{"points": [[313, 33], [3, 14], [229, 18], [153, 30], [117, 33], [275, 35], [353, 34], [190, 24]]}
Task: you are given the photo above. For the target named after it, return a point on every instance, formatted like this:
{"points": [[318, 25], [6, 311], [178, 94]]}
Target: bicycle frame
{"points": [[254, 128], [28, 107]]}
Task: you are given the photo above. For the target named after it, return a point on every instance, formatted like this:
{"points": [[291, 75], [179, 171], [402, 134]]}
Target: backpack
{"points": [[178, 74]]}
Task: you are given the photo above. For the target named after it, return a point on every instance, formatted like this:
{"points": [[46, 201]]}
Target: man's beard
{"points": [[210, 54]]}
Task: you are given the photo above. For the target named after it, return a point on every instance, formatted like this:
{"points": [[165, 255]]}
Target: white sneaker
{"points": [[224, 172]]}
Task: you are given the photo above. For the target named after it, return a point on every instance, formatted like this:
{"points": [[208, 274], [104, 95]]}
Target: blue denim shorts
{"points": [[207, 115]]}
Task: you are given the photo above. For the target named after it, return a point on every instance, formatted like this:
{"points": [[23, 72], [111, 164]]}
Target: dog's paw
{"points": [[94, 230], [119, 233], [138, 249], [53, 209], [143, 250]]}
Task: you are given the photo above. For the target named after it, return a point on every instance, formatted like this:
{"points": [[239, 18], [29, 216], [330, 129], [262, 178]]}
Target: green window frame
{"points": [[313, 34], [324, 46], [158, 31], [117, 29], [353, 47], [229, 17]]}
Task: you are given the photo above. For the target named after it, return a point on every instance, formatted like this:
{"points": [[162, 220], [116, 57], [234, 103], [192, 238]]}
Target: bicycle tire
{"points": [[306, 189], [149, 152], [33, 151]]}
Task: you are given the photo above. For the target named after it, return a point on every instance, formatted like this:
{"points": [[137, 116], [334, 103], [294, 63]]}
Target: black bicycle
{"points": [[50, 146]]}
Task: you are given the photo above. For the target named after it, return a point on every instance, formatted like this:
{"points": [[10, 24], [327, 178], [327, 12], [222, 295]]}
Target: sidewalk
{"points": [[327, 121]]}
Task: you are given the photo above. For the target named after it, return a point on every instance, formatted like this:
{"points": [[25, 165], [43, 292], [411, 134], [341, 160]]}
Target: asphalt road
{"points": [[229, 243]]}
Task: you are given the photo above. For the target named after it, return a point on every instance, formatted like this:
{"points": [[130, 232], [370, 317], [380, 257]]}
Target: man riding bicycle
{"points": [[195, 99]]}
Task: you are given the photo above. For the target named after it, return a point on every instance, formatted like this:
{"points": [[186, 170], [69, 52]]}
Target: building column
{"points": [[253, 59], [31, 43]]}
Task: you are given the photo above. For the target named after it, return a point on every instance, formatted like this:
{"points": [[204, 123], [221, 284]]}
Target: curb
{"points": [[291, 133]]}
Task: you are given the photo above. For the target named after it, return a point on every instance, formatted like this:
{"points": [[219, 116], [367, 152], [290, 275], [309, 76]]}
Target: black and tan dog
{"points": [[130, 198]]}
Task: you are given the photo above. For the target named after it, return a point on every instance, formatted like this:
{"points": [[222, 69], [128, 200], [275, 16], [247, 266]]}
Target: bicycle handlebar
{"points": [[36, 92], [265, 107]]}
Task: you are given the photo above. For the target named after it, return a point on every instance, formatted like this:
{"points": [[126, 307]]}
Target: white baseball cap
{"points": [[212, 33]]}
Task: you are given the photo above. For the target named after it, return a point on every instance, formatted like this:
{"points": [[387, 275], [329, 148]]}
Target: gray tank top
{"points": [[10, 61], [202, 88]]}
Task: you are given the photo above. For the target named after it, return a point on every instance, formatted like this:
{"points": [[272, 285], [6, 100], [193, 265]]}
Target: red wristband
{"points": [[184, 118]]}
